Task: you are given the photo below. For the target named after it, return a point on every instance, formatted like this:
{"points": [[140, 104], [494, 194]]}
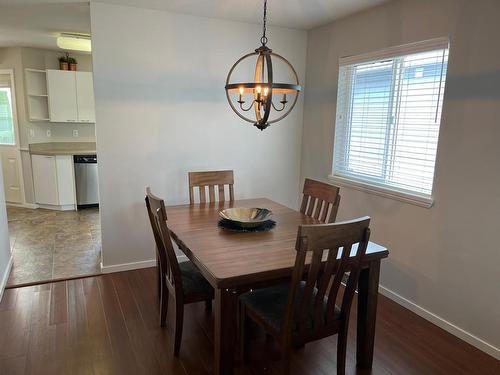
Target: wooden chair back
{"points": [[167, 260], [320, 201], [211, 179], [332, 263]]}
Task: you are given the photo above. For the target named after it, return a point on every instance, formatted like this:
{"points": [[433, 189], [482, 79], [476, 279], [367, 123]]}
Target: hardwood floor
{"points": [[109, 324]]}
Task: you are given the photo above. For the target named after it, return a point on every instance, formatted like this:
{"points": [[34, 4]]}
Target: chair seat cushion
{"points": [[270, 304], [193, 282]]}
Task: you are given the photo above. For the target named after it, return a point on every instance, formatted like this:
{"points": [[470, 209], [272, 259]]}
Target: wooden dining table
{"points": [[235, 262]]}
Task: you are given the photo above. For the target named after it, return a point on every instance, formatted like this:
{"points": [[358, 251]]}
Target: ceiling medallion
{"points": [[245, 94]]}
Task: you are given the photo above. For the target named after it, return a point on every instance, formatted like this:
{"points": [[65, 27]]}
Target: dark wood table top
{"points": [[231, 259]]}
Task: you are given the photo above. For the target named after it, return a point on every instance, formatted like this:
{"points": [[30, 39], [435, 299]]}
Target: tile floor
{"points": [[51, 245]]}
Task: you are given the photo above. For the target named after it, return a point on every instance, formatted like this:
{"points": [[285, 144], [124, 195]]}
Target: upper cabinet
{"points": [[85, 97], [61, 87], [71, 96]]}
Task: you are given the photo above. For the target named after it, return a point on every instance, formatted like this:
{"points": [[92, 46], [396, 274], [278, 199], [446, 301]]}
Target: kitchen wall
{"points": [[60, 132], [161, 111], [20, 58], [444, 261], [5, 254]]}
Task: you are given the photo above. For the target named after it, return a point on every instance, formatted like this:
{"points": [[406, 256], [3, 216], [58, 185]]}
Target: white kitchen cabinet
{"points": [[54, 181], [61, 88], [85, 97], [65, 180], [71, 96]]}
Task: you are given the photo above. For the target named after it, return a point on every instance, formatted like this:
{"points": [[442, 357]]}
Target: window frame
{"points": [[363, 183], [13, 130], [16, 143]]}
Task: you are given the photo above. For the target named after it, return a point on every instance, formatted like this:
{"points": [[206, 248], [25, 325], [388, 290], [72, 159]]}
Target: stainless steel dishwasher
{"points": [[87, 193]]}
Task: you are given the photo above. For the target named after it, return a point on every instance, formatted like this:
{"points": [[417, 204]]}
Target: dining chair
{"points": [[211, 179], [320, 201], [183, 281], [306, 309]]}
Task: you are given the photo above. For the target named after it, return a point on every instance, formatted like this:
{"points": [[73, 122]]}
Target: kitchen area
{"points": [[47, 144]]}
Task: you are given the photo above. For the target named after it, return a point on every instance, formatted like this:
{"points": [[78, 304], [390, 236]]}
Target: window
{"points": [[7, 136], [388, 117]]}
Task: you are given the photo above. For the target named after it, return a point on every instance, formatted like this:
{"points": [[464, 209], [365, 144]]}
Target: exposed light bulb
{"points": [[242, 90], [258, 89]]}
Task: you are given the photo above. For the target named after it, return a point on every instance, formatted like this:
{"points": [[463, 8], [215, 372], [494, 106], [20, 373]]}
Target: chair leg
{"points": [[158, 279], [299, 346], [341, 350], [244, 336], [208, 305], [285, 359], [164, 296], [179, 320]]}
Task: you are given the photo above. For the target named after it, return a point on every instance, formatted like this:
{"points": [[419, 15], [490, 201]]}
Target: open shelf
{"points": [[36, 82], [39, 119], [37, 96], [38, 108]]}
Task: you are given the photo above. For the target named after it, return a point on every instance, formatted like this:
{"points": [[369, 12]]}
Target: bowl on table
{"points": [[246, 217]]}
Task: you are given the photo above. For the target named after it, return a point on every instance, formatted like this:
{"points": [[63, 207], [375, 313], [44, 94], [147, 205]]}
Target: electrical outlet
{"points": [[49, 133], [32, 133], [75, 133]]}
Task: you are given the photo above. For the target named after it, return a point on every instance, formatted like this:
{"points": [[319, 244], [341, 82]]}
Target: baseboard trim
{"points": [[128, 266], [135, 265], [442, 323], [5, 277], [33, 206], [64, 207]]}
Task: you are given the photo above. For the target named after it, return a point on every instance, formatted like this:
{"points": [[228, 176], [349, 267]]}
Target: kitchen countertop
{"points": [[63, 148]]}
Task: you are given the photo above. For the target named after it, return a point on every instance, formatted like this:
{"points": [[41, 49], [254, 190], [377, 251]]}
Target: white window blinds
{"points": [[388, 117]]}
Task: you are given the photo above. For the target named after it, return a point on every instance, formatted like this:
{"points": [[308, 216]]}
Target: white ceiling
{"points": [[299, 14], [35, 23]]}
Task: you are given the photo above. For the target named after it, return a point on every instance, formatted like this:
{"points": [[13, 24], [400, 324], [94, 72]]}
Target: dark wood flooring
{"points": [[108, 324]]}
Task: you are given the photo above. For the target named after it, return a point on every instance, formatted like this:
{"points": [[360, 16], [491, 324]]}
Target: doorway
{"points": [[9, 140], [47, 126]]}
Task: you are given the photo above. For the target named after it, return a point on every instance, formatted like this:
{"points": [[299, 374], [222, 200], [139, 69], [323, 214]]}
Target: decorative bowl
{"points": [[246, 217]]}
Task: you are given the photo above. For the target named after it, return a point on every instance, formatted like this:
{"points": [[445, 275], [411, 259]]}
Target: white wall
{"points": [[161, 111], [20, 58], [5, 254], [60, 132], [445, 259]]}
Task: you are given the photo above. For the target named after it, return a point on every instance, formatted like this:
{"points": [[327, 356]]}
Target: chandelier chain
{"points": [[263, 40]]}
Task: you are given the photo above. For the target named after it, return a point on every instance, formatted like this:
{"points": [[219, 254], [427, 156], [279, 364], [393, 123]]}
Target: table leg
{"points": [[367, 313], [225, 330]]}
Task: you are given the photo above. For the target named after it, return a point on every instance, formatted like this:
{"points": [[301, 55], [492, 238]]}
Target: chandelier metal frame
{"points": [[261, 89]]}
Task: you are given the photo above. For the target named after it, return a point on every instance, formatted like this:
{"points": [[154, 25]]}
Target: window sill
{"points": [[383, 191]]}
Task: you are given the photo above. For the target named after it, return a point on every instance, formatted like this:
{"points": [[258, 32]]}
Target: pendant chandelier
{"points": [[258, 92]]}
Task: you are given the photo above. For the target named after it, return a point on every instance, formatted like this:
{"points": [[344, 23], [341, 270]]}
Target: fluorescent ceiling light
{"points": [[74, 42]]}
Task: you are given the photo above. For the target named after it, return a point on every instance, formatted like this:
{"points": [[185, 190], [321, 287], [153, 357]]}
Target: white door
{"points": [[85, 97], [9, 140], [61, 88]]}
